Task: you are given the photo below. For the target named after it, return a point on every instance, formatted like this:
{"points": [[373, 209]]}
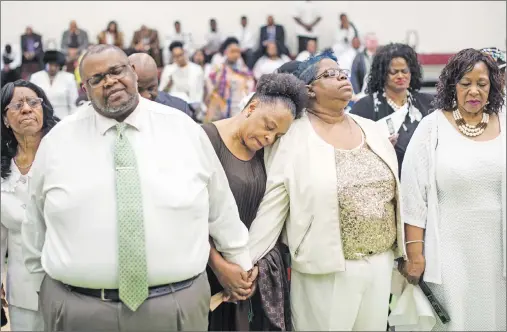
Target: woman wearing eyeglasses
{"points": [[332, 188], [27, 115], [393, 99]]}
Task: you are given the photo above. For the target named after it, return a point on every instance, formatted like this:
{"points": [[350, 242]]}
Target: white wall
{"points": [[443, 26]]}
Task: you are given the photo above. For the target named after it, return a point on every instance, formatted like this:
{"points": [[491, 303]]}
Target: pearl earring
{"points": [[312, 94], [454, 103]]}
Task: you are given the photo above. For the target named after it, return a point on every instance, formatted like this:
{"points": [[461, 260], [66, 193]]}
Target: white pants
{"points": [[354, 300], [25, 320]]}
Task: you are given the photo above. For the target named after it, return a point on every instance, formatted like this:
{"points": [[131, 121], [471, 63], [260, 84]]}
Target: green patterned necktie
{"points": [[133, 273]]}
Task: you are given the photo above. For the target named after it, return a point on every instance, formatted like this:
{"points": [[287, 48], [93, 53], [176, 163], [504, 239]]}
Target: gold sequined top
{"points": [[366, 192]]}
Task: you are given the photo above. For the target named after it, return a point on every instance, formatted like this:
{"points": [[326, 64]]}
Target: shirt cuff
{"points": [[243, 260]]}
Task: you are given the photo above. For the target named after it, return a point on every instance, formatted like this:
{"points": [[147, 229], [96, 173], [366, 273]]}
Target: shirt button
{"points": [[23, 206], [22, 180]]}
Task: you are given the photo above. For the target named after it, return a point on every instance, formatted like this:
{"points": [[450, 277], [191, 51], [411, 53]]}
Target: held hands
{"points": [[238, 284], [4, 301], [413, 268]]}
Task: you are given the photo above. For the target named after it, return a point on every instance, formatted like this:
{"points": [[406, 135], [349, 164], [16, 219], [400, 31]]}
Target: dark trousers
{"points": [[302, 43]]}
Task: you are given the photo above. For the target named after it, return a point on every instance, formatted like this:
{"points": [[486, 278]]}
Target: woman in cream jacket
{"points": [[333, 191]]}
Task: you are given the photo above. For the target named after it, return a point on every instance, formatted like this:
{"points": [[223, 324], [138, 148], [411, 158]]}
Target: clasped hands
{"points": [[239, 285]]}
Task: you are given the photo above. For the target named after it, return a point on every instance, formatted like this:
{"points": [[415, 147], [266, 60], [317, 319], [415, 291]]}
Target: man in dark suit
{"points": [[147, 83], [32, 52], [272, 33]]}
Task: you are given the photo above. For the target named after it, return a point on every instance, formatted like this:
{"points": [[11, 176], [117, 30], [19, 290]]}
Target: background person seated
{"points": [[10, 64], [182, 76], [111, 36], [31, 48], [59, 85], [146, 40], [269, 62], [272, 32], [74, 42], [311, 50]]}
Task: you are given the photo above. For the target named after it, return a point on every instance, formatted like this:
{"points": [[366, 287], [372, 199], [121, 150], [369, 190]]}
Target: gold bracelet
{"points": [[414, 241]]}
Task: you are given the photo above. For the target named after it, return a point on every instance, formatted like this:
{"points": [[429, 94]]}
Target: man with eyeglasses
{"points": [[125, 194], [147, 83]]}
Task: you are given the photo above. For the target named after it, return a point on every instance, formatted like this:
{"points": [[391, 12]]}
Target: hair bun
{"points": [[283, 85]]}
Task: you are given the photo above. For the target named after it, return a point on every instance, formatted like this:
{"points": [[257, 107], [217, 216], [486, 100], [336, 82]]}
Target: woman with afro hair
{"points": [[393, 95]]}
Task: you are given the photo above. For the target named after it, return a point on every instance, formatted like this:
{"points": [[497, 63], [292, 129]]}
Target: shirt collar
{"points": [[133, 120]]}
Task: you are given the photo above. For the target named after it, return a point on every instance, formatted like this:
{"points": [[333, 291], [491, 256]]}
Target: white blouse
{"points": [[62, 93], [21, 285], [266, 65]]}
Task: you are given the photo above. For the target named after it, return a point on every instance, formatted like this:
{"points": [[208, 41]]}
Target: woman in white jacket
{"points": [[26, 117], [60, 86], [454, 196], [332, 189]]}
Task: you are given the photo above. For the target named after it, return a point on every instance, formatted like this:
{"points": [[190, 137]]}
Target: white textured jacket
{"points": [[301, 198], [419, 192]]}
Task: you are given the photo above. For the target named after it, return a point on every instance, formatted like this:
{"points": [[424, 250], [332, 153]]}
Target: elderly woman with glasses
{"points": [[27, 116], [332, 189]]}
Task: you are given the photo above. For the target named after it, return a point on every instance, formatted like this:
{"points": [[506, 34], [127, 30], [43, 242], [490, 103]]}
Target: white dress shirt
{"points": [[266, 65], [15, 55], [343, 39], [307, 12], [188, 80], [303, 56], [62, 93], [247, 39], [21, 285], [184, 38], [346, 58], [71, 230], [213, 41]]}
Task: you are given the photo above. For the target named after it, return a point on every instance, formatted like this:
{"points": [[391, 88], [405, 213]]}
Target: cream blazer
{"points": [[301, 198]]}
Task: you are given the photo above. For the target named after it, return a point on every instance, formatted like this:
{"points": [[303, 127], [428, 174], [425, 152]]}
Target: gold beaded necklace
{"points": [[470, 130]]}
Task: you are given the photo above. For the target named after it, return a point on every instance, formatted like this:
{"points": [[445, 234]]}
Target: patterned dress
{"points": [[227, 86]]}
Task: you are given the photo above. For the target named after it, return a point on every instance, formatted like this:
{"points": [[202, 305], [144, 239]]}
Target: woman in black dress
{"points": [[393, 87], [239, 143]]}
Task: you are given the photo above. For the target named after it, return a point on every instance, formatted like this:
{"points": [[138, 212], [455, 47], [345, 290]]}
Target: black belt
{"points": [[113, 295]]}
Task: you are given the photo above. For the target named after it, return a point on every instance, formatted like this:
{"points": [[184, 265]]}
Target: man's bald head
{"points": [[147, 73], [144, 65]]}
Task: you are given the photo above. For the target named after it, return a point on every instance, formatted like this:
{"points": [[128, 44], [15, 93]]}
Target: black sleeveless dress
{"points": [[247, 180]]}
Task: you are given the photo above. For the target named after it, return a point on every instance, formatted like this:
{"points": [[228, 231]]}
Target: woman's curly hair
{"points": [[9, 142], [382, 60], [460, 64], [284, 88]]}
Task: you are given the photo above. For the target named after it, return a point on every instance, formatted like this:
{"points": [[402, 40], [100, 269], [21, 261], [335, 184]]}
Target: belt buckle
{"points": [[103, 296]]}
